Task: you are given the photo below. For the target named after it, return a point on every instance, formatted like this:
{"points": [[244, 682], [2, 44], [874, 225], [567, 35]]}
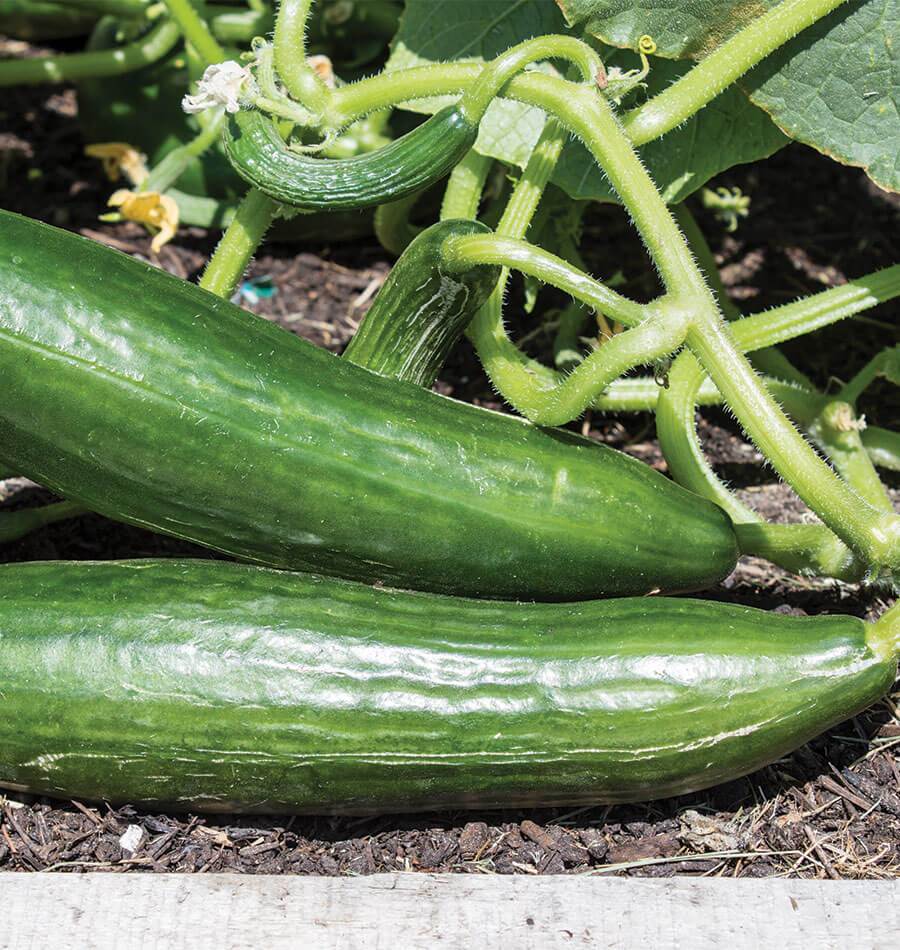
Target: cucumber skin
{"points": [[420, 309], [413, 162], [219, 687], [151, 401]]}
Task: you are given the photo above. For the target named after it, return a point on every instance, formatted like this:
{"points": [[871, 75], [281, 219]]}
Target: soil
{"points": [[832, 809]]}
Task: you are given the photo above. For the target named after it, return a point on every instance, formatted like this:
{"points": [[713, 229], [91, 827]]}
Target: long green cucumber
{"points": [[421, 311], [219, 687], [412, 162], [154, 402]]}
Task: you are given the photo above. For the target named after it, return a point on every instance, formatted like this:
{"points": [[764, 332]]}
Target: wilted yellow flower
{"points": [[322, 66], [119, 158], [157, 211]]}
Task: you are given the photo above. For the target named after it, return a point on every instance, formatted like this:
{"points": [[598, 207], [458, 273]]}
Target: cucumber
{"points": [[412, 162], [154, 402], [218, 687], [420, 311]]}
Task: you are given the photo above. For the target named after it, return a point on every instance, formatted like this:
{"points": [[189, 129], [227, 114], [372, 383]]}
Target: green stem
{"points": [[884, 634], [867, 375], [874, 534], [239, 27], [462, 197], [393, 227], [465, 252], [195, 31], [17, 524], [655, 338], [812, 313], [805, 549], [567, 348], [717, 71], [641, 394], [769, 361], [150, 48], [836, 430], [883, 447], [498, 72], [705, 260], [239, 243], [300, 80], [173, 166], [504, 362], [798, 548]]}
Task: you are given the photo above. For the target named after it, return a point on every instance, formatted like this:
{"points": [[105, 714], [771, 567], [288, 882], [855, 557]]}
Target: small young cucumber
{"points": [[154, 402], [414, 161], [212, 686], [421, 311]]}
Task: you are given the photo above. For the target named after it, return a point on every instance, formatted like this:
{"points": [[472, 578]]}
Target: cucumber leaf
{"points": [[433, 31], [679, 29], [835, 86], [729, 132]]}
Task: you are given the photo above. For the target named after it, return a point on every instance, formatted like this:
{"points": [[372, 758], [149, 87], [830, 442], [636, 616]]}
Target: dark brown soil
{"points": [[832, 809]]}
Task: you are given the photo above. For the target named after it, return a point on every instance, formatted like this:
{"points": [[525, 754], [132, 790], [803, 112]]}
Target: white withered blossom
{"points": [[221, 85]]}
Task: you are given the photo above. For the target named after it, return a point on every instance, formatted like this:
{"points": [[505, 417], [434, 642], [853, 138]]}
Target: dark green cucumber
{"points": [[154, 402], [412, 162], [212, 686], [421, 311]]}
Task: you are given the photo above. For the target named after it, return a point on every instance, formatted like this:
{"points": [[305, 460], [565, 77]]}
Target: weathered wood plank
{"points": [[409, 911]]}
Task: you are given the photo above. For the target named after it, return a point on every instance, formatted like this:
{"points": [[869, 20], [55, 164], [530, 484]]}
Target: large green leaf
{"points": [[679, 28], [727, 133], [836, 87], [433, 31]]}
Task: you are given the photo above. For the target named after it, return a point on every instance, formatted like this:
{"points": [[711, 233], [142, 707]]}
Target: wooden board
{"points": [[453, 912]]}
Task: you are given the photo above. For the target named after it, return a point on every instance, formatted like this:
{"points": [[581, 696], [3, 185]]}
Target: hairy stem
{"points": [[173, 166], [465, 252], [239, 243], [717, 71], [195, 30], [867, 375], [769, 361], [874, 534], [462, 197], [300, 80]]}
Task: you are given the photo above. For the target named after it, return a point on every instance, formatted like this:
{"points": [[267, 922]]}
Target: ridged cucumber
{"points": [[412, 162], [219, 687], [421, 311], [151, 401]]}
